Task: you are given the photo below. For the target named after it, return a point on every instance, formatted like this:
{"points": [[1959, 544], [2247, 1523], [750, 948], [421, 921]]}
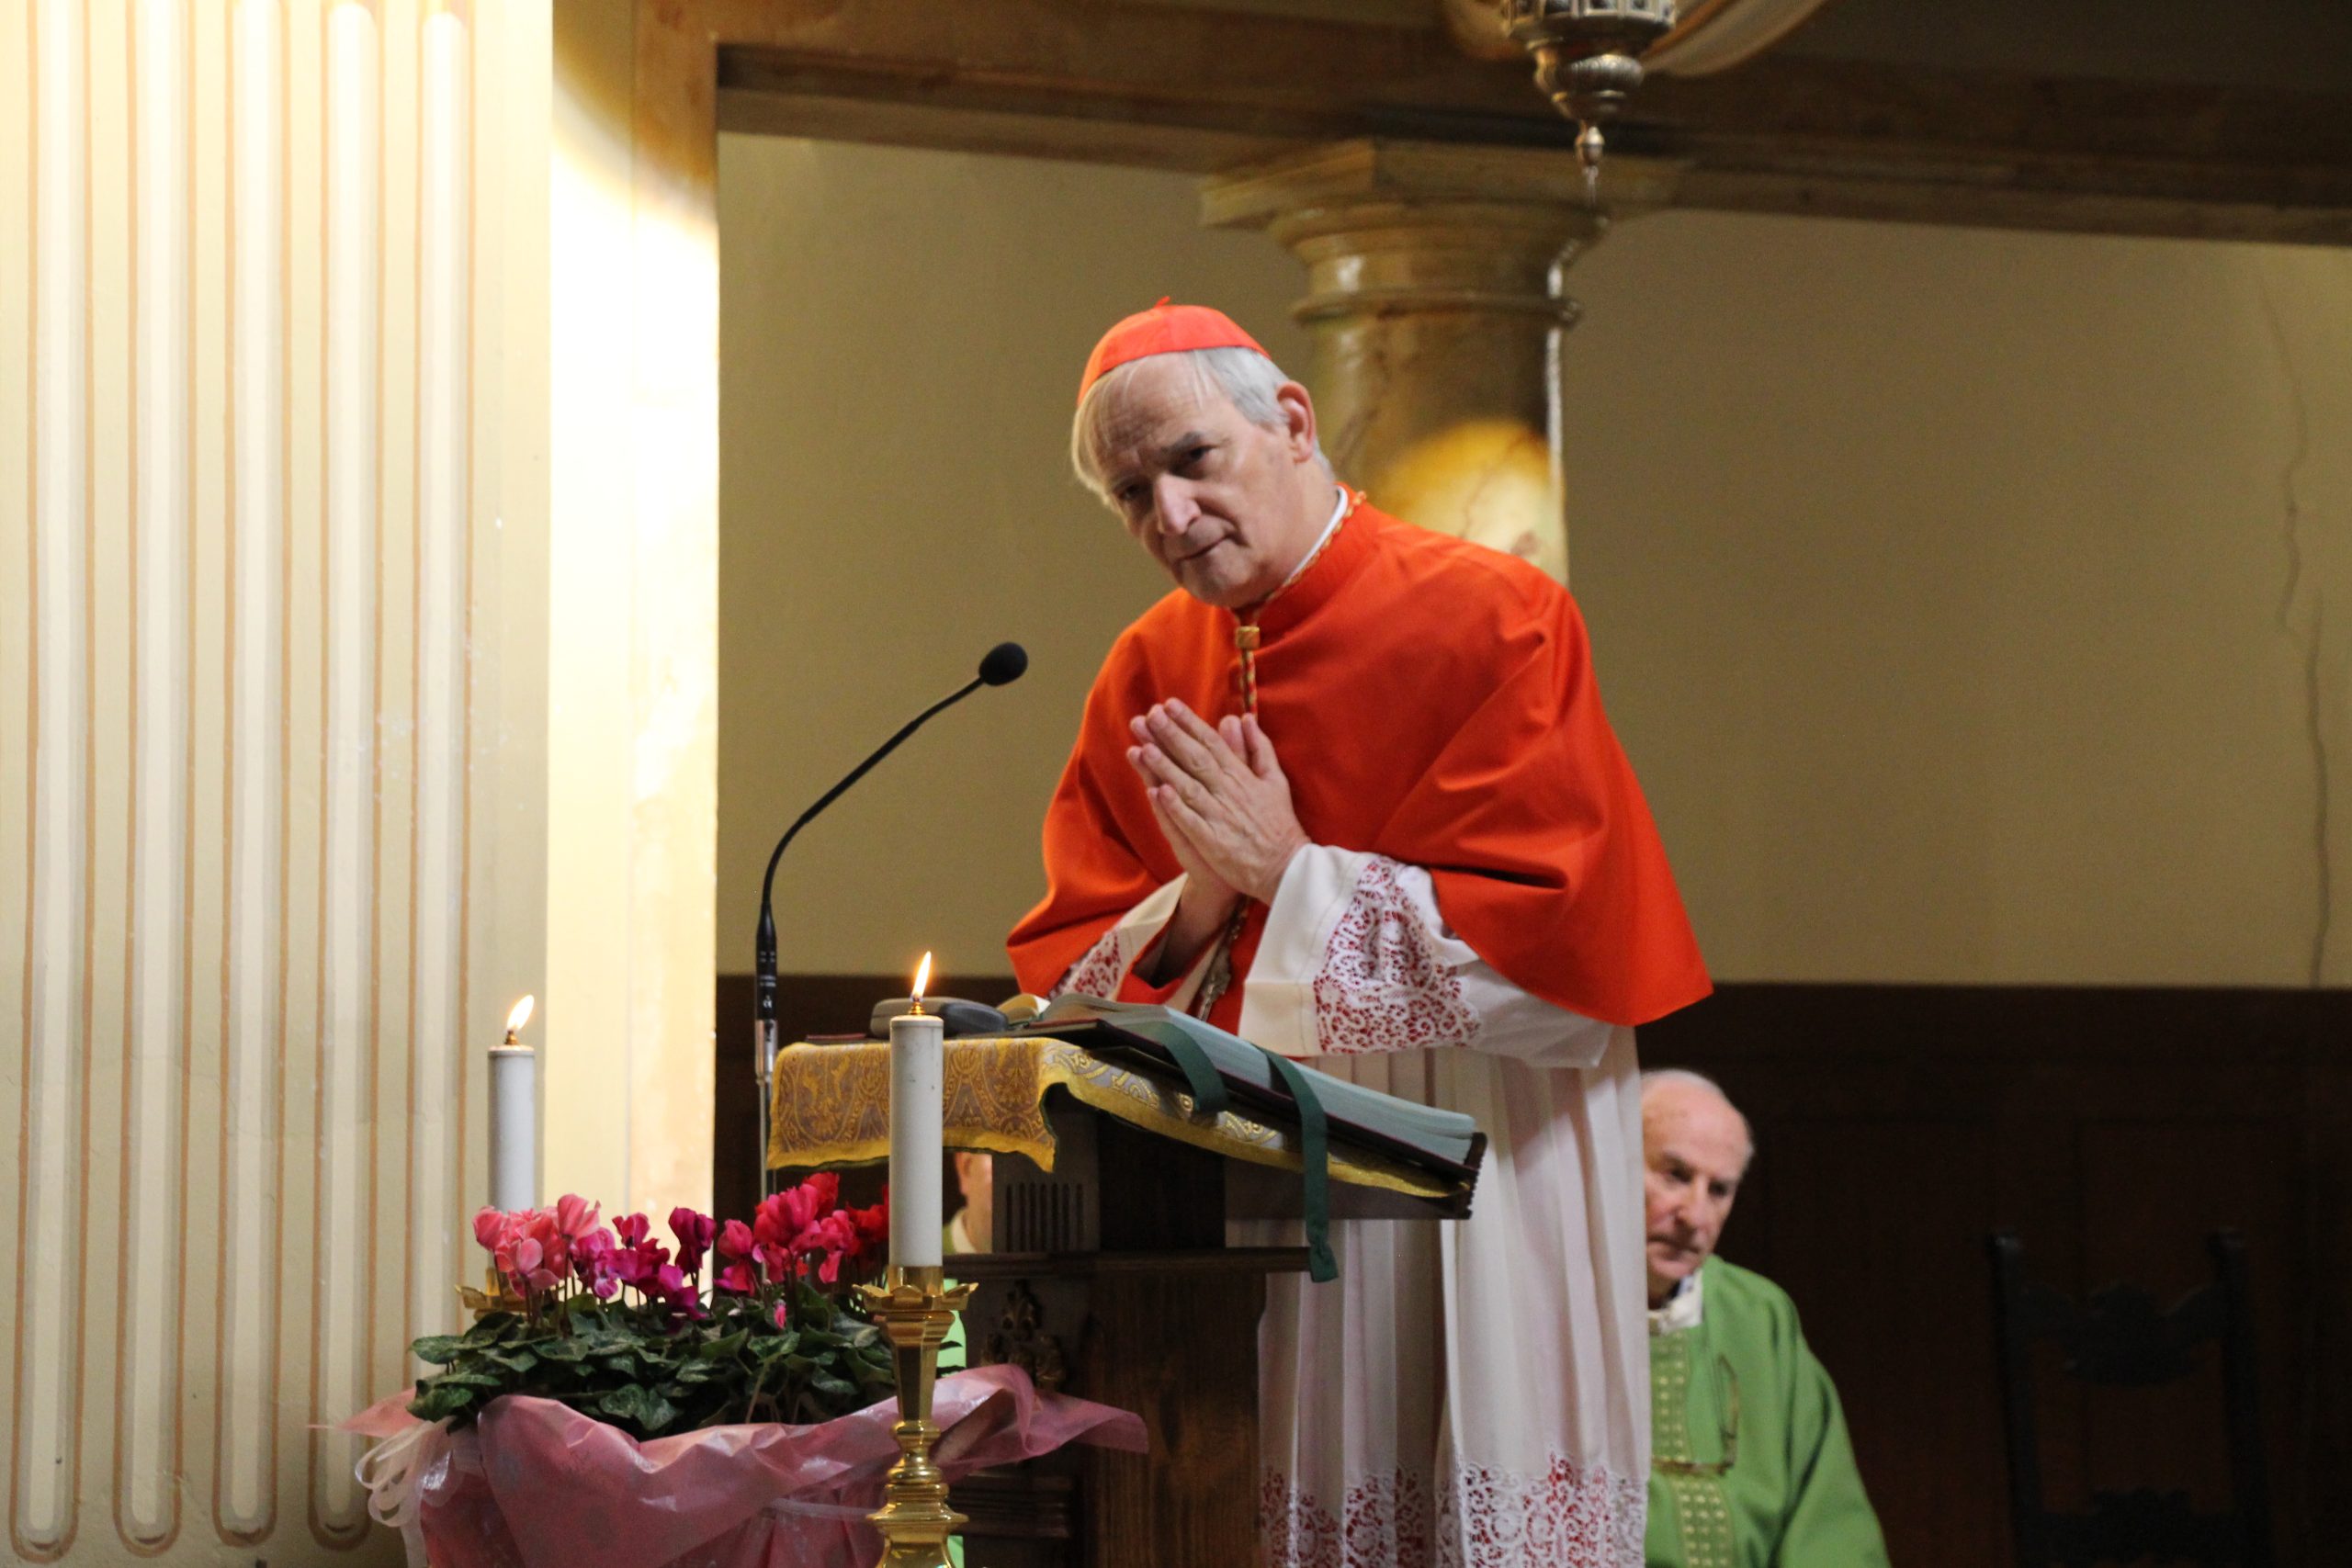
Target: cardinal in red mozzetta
{"points": [[1348, 792]]}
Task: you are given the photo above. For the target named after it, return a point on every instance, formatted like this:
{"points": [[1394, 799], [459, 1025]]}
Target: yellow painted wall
{"points": [[1976, 604], [901, 334], [1962, 598]]}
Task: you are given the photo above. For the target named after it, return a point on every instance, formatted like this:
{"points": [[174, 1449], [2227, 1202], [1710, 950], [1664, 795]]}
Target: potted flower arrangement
{"points": [[717, 1397], [611, 1321]]}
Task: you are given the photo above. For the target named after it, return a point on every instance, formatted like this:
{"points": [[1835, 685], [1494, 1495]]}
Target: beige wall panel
{"points": [[150, 1143], [112, 757], [436, 922], [589, 561], [18, 697], [1946, 592], [208, 704], [45, 1407], [345, 1288], [252, 1151], [633, 644], [303, 826], [241, 360]]}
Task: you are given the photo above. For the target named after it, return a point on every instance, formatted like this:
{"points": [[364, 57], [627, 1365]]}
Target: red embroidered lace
{"points": [[1570, 1516]]}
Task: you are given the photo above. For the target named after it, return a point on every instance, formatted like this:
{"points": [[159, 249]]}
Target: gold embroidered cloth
{"points": [[832, 1107]]}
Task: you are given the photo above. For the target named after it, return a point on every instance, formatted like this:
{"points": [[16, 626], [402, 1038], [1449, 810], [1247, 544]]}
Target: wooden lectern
{"points": [[1112, 1278]]}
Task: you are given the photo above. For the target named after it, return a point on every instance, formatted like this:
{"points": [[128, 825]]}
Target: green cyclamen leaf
{"points": [[639, 1404], [440, 1348], [434, 1404], [468, 1378]]}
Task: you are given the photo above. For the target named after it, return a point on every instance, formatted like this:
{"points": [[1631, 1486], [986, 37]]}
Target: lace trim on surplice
{"points": [[1382, 985], [1572, 1515], [1099, 972]]}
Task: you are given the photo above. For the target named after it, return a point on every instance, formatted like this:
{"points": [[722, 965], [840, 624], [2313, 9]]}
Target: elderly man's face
{"points": [[1225, 506], [1695, 1146]]}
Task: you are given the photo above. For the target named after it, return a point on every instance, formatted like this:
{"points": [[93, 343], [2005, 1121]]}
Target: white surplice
{"points": [[1463, 1395]]}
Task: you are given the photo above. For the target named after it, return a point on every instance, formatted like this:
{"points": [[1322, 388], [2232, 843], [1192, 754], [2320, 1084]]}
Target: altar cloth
{"points": [[831, 1107]]}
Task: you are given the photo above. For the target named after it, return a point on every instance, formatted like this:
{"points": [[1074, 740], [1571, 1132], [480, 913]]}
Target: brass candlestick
{"points": [[914, 1309]]}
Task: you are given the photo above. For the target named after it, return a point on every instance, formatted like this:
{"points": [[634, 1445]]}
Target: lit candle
{"points": [[918, 1089], [514, 1116]]}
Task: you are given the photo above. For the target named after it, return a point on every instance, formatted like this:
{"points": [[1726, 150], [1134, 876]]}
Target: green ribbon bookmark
{"points": [[1210, 1096], [1315, 1148]]}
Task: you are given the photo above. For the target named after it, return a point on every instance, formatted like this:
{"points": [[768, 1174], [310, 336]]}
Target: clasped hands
{"points": [[1222, 802]]}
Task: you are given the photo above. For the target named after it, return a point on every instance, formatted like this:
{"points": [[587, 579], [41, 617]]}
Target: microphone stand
{"points": [[764, 1045]]}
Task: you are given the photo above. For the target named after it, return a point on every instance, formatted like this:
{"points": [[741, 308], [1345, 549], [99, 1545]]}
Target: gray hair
{"points": [[1247, 378], [1690, 1079]]}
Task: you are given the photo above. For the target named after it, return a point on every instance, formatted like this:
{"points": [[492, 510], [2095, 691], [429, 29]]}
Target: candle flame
{"points": [[923, 978], [521, 1015]]}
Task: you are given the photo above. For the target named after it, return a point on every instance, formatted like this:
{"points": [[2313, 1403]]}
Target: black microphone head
{"points": [[1003, 664]]}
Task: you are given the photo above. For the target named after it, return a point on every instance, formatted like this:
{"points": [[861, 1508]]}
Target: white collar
{"points": [[1339, 510], [1682, 1310]]}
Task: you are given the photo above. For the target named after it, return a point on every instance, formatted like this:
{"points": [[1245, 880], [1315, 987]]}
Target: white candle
{"points": [[514, 1117], [918, 1089]]}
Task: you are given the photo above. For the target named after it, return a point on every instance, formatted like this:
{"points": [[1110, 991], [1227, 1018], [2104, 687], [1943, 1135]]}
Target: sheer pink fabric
{"points": [[537, 1484]]}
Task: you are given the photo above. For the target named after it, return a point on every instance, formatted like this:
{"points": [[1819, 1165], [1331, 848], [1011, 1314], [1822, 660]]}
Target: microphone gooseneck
{"points": [[1003, 664]]}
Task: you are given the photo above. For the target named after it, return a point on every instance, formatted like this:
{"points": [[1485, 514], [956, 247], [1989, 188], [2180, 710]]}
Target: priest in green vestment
{"points": [[1750, 1466]]}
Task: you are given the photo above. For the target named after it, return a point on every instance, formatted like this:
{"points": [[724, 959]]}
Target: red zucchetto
{"points": [[1163, 329]]}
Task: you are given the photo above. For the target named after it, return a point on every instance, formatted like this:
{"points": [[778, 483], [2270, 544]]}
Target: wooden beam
{"points": [[1184, 88]]}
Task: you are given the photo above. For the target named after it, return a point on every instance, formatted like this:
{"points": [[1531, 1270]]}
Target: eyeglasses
{"points": [[1727, 1387]]}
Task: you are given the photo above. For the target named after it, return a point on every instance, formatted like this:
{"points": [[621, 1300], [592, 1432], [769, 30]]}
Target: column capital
{"points": [[1377, 168], [1434, 294], [1417, 225]]}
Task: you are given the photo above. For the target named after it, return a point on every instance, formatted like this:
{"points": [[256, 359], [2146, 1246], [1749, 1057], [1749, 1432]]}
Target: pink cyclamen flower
{"points": [[575, 1215], [594, 1258], [696, 1232], [490, 1224], [787, 1213], [831, 1240], [633, 1229], [533, 1253], [642, 1265], [675, 1287], [736, 1241], [737, 1279]]}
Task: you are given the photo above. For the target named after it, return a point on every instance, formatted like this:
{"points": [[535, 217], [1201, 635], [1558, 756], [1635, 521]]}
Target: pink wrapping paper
{"points": [[537, 1484]]}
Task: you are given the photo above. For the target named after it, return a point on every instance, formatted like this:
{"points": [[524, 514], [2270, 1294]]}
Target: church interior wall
{"points": [[901, 336], [1961, 596]]}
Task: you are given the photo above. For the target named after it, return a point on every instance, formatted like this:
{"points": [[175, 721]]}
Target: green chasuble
{"points": [[1751, 1466]]}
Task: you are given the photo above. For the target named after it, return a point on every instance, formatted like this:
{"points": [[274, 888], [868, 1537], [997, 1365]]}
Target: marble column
{"points": [[1435, 300]]}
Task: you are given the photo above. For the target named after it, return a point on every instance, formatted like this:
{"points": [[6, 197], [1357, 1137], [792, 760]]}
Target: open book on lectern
{"points": [[1422, 1132]]}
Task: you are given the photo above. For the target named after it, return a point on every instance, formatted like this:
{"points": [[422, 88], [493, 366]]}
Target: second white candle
{"points": [[918, 1089]]}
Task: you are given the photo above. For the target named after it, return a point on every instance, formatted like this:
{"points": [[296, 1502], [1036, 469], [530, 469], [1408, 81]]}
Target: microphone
{"points": [[1002, 665]]}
